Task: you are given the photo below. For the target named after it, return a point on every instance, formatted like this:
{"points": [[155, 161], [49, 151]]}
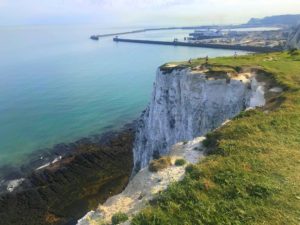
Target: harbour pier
{"points": [[202, 45]]}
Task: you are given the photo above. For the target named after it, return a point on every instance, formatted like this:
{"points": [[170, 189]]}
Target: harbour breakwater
{"points": [[202, 45], [62, 191], [217, 27], [96, 37]]}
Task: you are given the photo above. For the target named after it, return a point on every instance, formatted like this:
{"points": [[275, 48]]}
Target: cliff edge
{"points": [[251, 174], [189, 103]]}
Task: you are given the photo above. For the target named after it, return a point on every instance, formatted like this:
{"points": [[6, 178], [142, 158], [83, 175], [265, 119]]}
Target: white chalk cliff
{"points": [[294, 39], [186, 104]]}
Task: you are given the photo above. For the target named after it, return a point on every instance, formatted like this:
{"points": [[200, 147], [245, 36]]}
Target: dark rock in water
{"points": [[65, 190]]}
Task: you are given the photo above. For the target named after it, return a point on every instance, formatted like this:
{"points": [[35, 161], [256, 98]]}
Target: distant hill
{"points": [[290, 20]]}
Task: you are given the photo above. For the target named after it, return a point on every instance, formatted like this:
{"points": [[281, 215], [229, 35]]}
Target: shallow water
{"points": [[57, 85]]}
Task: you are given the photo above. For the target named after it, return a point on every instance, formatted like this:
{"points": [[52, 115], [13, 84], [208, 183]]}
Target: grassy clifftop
{"points": [[252, 175]]}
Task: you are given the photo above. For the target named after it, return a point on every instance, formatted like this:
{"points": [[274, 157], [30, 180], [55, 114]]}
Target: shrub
{"points": [[238, 69], [193, 171], [258, 191], [211, 144], [180, 162], [211, 140], [118, 218], [293, 52], [160, 164]]}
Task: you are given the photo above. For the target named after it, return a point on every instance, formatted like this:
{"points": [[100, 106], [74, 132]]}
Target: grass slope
{"points": [[253, 173]]}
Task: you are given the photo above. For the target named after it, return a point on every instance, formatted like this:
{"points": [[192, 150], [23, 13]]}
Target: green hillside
{"points": [[252, 174]]}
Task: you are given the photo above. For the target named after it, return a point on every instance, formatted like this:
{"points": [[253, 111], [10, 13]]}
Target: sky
{"points": [[141, 12]]}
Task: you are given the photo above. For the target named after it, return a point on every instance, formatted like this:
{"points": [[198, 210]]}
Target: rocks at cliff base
{"points": [[64, 191]]}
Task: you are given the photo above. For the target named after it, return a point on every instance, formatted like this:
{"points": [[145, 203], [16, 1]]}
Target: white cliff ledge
{"points": [[185, 105], [145, 185]]}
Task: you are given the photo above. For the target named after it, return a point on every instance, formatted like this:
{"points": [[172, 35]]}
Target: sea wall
{"points": [[186, 104]]}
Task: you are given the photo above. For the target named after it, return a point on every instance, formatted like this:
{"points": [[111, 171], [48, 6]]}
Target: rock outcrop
{"points": [[64, 191], [294, 39], [186, 104]]}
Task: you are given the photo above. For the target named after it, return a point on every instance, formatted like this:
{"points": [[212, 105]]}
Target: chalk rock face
{"points": [[186, 105], [294, 39]]}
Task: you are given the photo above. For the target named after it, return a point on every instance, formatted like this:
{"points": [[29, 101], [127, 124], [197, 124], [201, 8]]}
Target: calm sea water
{"points": [[57, 86]]}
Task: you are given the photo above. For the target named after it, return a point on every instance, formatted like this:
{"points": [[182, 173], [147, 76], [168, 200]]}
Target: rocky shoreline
{"points": [[59, 186]]}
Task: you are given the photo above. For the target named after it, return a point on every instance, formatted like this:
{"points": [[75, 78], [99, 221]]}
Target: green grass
{"points": [[252, 174]]}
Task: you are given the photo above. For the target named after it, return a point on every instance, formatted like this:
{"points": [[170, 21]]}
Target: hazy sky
{"points": [[141, 12]]}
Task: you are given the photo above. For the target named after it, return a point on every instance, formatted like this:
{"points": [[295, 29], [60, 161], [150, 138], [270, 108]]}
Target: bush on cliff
{"points": [[118, 218], [180, 162], [160, 164]]}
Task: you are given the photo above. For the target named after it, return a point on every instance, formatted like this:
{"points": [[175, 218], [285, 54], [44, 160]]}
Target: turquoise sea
{"points": [[57, 85]]}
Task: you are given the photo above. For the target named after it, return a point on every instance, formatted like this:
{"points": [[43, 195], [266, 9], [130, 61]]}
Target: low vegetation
{"points": [[180, 162], [119, 218], [160, 164], [251, 175]]}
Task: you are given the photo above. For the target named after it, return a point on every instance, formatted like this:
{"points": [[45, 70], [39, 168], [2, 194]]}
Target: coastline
{"points": [[61, 185], [42, 158], [145, 185]]}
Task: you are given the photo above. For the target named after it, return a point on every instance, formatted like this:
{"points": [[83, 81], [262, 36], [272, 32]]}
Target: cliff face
{"points": [[294, 39], [186, 105]]}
